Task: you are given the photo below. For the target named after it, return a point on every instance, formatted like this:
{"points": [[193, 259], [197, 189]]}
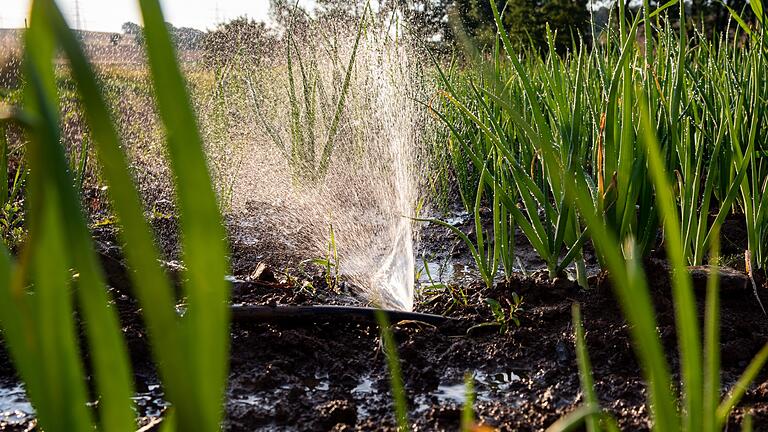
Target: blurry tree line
{"points": [[442, 25], [185, 38]]}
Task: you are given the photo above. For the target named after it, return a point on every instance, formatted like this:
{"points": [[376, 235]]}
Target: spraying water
{"points": [[368, 187], [324, 132]]}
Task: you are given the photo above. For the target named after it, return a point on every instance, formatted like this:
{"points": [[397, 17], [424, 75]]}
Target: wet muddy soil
{"points": [[311, 375]]}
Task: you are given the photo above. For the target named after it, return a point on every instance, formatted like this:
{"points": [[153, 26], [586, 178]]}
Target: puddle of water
{"points": [[455, 393], [435, 270], [317, 383], [487, 387], [365, 386], [443, 272], [496, 382], [458, 218], [15, 409], [151, 403], [251, 400]]}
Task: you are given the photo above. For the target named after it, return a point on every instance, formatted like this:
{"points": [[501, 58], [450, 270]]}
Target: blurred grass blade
{"points": [[712, 338], [206, 324], [741, 386], [585, 370], [60, 394], [663, 7], [632, 290], [149, 281], [395, 374], [58, 201], [468, 411], [689, 338], [573, 421], [746, 425]]}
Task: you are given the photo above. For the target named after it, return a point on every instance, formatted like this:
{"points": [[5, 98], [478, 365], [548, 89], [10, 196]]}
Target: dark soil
{"points": [[318, 376]]}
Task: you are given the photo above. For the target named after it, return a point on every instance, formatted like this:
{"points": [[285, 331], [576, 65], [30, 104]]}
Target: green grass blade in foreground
{"points": [[3, 164], [632, 291], [574, 421], [468, 411], [204, 251], [712, 339], [149, 281], [395, 376], [62, 399], [62, 369], [738, 390], [746, 425], [585, 369], [58, 200], [689, 337]]}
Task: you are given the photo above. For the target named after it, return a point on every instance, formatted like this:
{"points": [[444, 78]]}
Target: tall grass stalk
{"points": [[395, 375], [37, 297]]}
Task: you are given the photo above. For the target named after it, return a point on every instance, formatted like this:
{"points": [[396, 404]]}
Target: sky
{"points": [[109, 15]]}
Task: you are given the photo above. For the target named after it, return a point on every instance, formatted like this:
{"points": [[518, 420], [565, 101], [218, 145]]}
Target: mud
{"points": [[319, 376]]}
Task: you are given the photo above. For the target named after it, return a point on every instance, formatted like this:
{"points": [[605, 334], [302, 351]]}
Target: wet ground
{"points": [[314, 375]]}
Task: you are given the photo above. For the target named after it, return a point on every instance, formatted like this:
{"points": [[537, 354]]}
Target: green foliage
{"points": [[12, 212], [524, 21], [308, 154], [330, 262], [580, 137], [241, 39], [500, 246], [39, 293], [503, 316], [699, 368], [706, 100]]}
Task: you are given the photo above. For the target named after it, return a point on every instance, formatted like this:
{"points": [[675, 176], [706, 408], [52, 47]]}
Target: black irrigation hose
{"points": [[312, 314]]}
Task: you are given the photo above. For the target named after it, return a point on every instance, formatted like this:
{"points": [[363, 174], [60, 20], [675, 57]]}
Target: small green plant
{"points": [[79, 165], [468, 411], [503, 316], [330, 262]]}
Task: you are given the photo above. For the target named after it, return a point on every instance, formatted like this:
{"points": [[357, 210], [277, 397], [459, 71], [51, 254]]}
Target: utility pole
{"points": [[78, 22]]}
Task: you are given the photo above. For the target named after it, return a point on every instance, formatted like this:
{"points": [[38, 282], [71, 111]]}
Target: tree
{"points": [[427, 20], [134, 30], [241, 37], [525, 21], [186, 38]]}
